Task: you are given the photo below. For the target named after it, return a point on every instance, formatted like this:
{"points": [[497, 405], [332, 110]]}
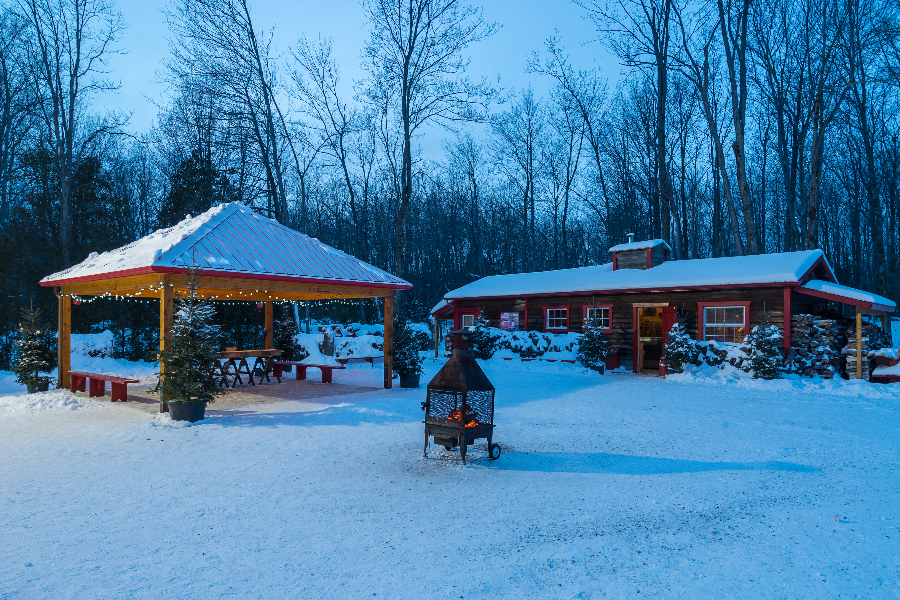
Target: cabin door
{"points": [[649, 338]]}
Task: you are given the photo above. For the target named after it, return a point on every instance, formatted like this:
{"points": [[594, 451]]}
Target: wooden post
{"points": [[786, 327], [389, 341], [858, 343], [165, 329], [270, 330], [437, 333], [884, 327], [64, 341]]}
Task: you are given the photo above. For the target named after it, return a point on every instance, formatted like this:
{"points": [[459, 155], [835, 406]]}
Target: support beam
{"points": [[270, 330], [859, 336], [437, 335], [64, 341], [388, 342], [885, 322], [165, 330]]}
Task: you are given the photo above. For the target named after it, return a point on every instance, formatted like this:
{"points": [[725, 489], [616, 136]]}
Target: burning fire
{"points": [[457, 415]]}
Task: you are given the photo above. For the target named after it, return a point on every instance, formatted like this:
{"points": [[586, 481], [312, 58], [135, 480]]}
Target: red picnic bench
{"points": [[118, 385], [301, 369], [368, 359]]}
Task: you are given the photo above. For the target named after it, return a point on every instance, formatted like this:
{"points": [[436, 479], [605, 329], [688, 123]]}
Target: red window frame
{"points": [[701, 316], [458, 315], [547, 310], [608, 306]]}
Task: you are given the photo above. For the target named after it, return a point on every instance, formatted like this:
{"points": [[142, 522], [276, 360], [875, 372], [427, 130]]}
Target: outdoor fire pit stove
{"points": [[459, 407]]}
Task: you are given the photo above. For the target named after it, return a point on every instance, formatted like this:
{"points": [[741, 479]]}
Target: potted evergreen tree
{"points": [[407, 362], [594, 346], [188, 367], [34, 352], [286, 331]]}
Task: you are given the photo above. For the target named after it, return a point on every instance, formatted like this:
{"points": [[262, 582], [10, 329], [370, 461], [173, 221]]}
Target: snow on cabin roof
{"points": [[230, 240], [786, 267], [853, 295], [641, 245]]}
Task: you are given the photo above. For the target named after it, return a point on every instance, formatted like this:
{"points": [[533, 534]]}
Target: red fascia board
{"points": [[820, 261], [844, 300], [261, 277], [689, 288]]}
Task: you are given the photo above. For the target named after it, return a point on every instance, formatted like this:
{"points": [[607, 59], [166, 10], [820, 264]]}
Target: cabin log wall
{"points": [[769, 299]]}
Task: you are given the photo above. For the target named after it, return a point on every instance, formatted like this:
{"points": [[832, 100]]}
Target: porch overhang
{"points": [[867, 302]]}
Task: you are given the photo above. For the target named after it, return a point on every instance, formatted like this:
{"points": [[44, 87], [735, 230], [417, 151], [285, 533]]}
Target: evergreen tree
{"points": [[189, 365], [34, 349], [594, 346], [195, 188], [680, 349], [483, 344], [764, 345], [286, 331], [407, 361]]}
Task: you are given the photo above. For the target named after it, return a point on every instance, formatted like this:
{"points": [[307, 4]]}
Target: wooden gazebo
{"points": [[236, 255]]}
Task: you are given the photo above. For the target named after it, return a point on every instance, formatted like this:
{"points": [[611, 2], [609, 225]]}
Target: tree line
{"points": [[737, 128]]}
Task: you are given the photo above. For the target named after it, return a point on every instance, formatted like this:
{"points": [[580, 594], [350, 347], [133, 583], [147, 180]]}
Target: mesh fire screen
{"points": [[463, 408]]}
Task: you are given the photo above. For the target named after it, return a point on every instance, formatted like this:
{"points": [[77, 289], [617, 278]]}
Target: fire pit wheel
{"points": [[493, 451]]}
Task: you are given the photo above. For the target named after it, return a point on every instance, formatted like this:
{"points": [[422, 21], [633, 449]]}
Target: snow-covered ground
{"points": [[705, 485]]}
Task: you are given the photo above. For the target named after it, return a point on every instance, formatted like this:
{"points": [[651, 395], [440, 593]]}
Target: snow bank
{"points": [[43, 402], [728, 376], [93, 344]]}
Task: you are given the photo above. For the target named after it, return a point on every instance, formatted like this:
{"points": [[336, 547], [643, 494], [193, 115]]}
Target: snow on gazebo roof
{"points": [[761, 269], [230, 240]]}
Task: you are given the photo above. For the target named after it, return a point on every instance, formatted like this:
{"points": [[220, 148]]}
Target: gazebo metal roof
{"points": [[230, 240]]}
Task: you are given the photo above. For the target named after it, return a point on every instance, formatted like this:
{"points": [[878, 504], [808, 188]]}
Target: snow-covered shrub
{"points": [[680, 349], [34, 349], [764, 347], [482, 341], [188, 367], [535, 344], [593, 347]]}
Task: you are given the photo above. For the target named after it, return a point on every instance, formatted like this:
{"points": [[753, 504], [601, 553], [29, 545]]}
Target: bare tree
{"points": [[640, 32], [69, 42], [217, 47], [416, 51]]}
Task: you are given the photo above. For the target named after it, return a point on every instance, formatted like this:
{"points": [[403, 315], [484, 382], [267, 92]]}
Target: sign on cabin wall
{"points": [[509, 321]]}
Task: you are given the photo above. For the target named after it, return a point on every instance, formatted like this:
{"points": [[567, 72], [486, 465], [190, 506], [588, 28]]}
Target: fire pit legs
{"points": [[462, 446]]}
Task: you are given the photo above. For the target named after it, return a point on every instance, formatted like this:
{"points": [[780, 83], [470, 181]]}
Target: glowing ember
{"points": [[457, 415]]}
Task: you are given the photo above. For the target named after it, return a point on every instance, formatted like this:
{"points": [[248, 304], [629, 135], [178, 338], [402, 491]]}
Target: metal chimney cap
{"points": [[630, 237]]}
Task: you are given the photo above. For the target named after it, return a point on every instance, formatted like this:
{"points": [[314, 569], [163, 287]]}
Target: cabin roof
{"points": [[230, 240], [762, 269], [847, 295], [643, 245]]}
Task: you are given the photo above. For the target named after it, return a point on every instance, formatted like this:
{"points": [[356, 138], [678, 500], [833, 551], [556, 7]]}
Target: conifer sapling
{"points": [[483, 344], [680, 349], [34, 349], [764, 344], [188, 367], [594, 346]]}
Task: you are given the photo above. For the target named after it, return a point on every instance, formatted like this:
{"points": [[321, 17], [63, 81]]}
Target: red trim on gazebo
{"points": [[238, 275]]}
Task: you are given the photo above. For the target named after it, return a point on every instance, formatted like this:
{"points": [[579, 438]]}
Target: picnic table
{"points": [[234, 363]]}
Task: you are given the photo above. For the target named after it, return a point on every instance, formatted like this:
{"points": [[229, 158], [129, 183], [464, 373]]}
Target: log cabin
{"points": [[639, 295]]}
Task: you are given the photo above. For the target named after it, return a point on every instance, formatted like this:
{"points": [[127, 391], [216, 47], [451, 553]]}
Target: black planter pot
{"points": [[409, 381], [187, 411], [40, 386]]}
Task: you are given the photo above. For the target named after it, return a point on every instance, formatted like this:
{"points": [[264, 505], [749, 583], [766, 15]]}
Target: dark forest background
{"points": [[739, 128]]}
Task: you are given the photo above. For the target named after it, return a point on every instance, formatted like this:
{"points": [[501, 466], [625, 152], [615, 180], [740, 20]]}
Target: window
{"points": [[468, 321], [604, 313], [556, 318], [724, 323]]}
